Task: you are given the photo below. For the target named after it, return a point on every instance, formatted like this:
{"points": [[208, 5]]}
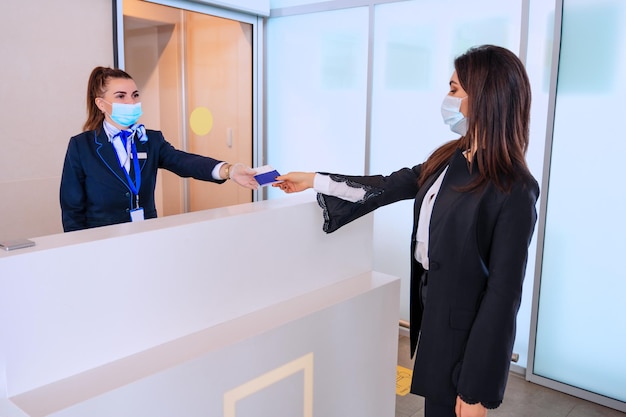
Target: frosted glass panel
{"points": [[414, 48], [581, 331], [316, 92]]}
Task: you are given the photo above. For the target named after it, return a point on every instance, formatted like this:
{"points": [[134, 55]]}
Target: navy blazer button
{"points": [[127, 194], [127, 210], [433, 266]]}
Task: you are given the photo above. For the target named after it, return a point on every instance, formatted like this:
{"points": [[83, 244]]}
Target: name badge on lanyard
{"points": [[136, 214]]}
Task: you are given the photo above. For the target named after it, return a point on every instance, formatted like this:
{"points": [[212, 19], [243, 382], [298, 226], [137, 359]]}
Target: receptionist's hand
{"points": [[243, 176]]}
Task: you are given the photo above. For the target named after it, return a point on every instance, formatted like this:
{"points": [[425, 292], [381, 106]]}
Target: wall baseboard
{"points": [[403, 331], [517, 369]]}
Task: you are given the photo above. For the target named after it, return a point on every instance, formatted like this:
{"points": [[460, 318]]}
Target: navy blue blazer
{"points": [[94, 189], [478, 248]]}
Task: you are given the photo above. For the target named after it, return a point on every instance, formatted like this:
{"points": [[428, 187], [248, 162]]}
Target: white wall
{"points": [[48, 52]]}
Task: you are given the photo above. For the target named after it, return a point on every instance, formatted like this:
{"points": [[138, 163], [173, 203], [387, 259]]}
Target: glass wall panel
{"points": [[415, 43], [316, 92], [581, 331]]}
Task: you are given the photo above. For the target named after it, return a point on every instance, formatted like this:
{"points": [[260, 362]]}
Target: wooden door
{"points": [[194, 72], [219, 98]]}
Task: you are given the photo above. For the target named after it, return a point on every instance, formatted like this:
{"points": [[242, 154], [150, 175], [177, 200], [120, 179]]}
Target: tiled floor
{"points": [[522, 398]]}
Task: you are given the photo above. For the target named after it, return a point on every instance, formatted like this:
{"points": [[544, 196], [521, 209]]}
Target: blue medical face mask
{"points": [[125, 114], [452, 116]]}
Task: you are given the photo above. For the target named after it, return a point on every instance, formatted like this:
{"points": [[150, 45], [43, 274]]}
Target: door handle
{"points": [[229, 137]]}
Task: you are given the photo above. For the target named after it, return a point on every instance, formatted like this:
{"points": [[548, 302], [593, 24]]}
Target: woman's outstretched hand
{"points": [[294, 182]]}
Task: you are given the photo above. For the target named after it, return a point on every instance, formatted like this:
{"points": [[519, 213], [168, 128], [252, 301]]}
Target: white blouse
{"points": [[423, 222]]}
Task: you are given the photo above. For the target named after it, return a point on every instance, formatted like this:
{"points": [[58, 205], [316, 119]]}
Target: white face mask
{"points": [[452, 116]]}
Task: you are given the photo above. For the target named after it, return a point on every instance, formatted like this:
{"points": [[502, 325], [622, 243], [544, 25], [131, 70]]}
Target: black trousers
{"points": [[433, 409], [423, 289]]}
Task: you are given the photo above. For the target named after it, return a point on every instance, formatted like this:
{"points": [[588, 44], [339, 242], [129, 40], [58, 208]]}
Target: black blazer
{"points": [[94, 189], [478, 248]]}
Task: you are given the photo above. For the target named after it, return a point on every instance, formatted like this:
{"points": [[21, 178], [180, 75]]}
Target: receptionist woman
{"points": [[110, 169]]}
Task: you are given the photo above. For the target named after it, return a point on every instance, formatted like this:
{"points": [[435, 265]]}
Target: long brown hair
{"points": [[96, 87], [499, 97]]}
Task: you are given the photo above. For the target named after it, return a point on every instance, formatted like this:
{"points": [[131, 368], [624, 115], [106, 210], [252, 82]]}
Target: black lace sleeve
{"points": [[379, 191]]}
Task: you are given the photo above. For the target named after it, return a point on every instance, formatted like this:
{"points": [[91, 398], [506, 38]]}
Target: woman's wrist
{"points": [[225, 171]]}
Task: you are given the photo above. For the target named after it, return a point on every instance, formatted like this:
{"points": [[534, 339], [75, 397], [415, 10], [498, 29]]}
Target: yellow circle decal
{"points": [[201, 121]]}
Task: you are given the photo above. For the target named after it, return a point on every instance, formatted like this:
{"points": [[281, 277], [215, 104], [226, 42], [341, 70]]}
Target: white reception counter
{"points": [[248, 310]]}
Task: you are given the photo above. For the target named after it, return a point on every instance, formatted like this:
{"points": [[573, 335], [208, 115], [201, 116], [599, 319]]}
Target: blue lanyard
{"points": [[134, 186]]}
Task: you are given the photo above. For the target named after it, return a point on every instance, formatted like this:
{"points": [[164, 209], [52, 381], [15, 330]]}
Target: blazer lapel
{"points": [[107, 154], [458, 175]]}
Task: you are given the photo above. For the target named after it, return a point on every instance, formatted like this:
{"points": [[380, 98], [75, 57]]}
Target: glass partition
{"points": [[317, 92], [580, 329]]}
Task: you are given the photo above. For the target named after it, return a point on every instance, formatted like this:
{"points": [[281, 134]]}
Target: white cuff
{"points": [[216, 171], [321, 183], [325, 185]]}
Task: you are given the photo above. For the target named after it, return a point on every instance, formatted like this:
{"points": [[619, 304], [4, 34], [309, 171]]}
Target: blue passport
{"points": [[266, 175]]}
